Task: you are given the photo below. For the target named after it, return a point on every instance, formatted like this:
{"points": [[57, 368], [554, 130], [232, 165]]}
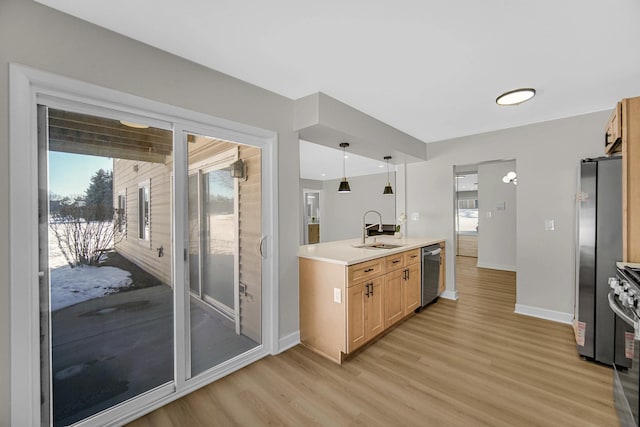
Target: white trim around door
{"points": [[28, 87]]}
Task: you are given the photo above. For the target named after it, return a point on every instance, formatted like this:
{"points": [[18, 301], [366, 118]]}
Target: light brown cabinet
{"points": [[314, 233], [343, 308], [365, 312], [442, 285], [613, 132], [624, 127], [393, 284], [411, 289], [402, 285]]}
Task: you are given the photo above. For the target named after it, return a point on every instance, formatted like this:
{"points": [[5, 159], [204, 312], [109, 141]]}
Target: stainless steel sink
{"points": [[379, 245]]}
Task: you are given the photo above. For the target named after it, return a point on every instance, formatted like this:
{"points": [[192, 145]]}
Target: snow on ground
{"points": [[70, 286]]}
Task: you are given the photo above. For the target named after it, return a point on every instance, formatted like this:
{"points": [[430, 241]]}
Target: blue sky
{"points": [[70, 174]]}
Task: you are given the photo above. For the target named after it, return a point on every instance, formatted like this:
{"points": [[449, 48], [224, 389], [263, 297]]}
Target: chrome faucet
{"points": [[365, 227]]}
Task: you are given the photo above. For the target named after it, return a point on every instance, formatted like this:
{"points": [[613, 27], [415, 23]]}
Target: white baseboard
{"points": [[449, 295], [543, 313], [288, 341], [496, 266]]}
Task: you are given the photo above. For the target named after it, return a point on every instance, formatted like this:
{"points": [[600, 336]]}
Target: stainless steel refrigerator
{"points": [[599, 247]]}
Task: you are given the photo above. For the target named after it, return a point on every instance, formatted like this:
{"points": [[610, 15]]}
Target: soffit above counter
{"points": [[323, 120]]}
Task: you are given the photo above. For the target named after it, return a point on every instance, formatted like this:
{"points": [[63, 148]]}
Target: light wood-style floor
{"points": [[470, 362]]}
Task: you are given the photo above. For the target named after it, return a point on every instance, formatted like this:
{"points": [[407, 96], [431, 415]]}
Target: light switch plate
{"points": [[415, 216], [337, 295], [549, 225]]}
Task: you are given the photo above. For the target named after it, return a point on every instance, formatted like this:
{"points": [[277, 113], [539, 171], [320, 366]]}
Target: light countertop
{"points": [[344, 252]]}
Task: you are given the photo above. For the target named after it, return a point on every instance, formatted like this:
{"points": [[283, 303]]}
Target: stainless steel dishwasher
{"points": [[430, 274]]}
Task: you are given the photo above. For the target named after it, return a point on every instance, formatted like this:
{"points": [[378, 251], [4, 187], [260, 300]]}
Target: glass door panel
{"points": [[194, 234], [107, 289], [219, 239], [224, 254]]}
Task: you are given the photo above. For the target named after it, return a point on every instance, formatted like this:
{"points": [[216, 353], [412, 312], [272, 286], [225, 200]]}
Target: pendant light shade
{"points": [[344, 184], [387, 188]]}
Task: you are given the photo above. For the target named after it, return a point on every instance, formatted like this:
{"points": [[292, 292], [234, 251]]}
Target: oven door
{"points": [[626, 384]]}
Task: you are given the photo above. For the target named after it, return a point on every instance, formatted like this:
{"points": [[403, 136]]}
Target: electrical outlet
{"points": [[337, 295]]}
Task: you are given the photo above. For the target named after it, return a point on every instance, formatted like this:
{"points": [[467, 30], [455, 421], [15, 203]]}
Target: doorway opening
{"points": [[312, 216], [466, 213], [485, 214]]}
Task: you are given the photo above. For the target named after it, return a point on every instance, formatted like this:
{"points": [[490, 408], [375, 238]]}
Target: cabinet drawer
{"points": [[412, 256], [393, 262], [613, 133], [364, 270]]}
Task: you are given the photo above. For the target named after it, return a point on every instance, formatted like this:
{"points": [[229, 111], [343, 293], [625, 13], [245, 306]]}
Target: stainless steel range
{"points": [[624, 300]]}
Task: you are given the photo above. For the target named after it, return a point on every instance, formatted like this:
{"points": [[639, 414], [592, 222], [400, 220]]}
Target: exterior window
{"points": [[121, 214], [144, 210]]}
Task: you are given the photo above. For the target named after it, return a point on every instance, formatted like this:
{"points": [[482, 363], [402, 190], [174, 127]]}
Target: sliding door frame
{"points": [[28, 88]]}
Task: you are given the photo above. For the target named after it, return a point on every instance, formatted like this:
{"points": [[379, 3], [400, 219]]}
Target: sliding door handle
{"points": [[260, 246]]}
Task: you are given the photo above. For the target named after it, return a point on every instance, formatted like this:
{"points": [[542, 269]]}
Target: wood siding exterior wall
{"points": [[250, 216], [127, 175], [126, 179]]}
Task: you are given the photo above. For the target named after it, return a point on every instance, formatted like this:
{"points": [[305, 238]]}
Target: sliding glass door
{"points": [[107, 291], [110, 325], [224, 257]]}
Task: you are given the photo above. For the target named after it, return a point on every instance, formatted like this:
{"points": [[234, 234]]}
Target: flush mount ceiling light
{"points": [[387, 188], [515, 97], [344, 184]]}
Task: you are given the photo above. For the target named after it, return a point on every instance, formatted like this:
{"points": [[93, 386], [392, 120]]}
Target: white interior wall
{"points": [[342, 212], [496, 217], [547, 156]]}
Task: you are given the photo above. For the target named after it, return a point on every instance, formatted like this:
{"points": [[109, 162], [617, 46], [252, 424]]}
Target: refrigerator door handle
{"points": [[434, 252]]}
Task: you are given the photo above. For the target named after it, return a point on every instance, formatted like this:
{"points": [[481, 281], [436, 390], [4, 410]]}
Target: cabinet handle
{"points": [[369, 289], [414, 256], [368, 270], [606, 138], [396, 261]]}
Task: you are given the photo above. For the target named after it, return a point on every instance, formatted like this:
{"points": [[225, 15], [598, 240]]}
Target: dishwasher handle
{"points": [[434, 252]]}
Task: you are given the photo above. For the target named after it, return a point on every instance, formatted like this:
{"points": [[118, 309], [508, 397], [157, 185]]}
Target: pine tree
{"points": [[99, 196]]}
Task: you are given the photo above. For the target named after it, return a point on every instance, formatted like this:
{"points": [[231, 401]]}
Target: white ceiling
{"points": [[431, 69], [323, 163]]}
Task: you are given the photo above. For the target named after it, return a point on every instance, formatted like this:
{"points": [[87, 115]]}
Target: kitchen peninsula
{"points": [[350, 293]]}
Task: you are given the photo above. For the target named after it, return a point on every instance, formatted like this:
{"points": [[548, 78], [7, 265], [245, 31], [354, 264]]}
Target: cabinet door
{"points": [[613, 134], [375, 308], [411, 292], [314, 233], [443, 280], [393, 297], [356, 316]]}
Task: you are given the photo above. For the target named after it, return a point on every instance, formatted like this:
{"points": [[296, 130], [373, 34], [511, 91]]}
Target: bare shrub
{"points": [[83, 234]]}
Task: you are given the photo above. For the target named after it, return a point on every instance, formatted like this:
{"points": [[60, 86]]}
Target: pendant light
{"points": [[387, 188], [344, 184]]}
